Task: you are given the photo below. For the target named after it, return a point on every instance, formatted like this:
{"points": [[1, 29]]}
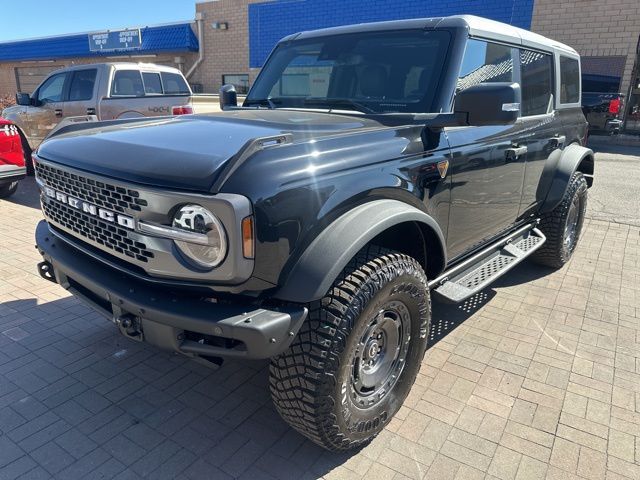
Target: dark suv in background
{"points": [[369, 167]]}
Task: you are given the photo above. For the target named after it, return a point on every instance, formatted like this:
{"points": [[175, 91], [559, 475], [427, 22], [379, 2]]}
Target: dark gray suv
{"points": [[369, 167]]}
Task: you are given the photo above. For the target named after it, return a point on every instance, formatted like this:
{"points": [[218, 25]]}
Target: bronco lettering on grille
{"points": [[91, 209]]}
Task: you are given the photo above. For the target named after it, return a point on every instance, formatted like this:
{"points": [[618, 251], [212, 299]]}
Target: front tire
{"points": [[357, 355], [8, 189], [562, 226]]}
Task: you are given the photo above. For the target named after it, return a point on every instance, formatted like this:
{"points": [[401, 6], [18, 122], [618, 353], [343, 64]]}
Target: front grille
{"points": [[92, 228], [96, 192]]}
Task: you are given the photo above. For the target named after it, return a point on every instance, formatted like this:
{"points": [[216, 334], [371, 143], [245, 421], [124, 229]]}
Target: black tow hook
{"points": [[45, 269]]}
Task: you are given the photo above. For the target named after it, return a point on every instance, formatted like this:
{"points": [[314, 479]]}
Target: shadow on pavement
{"points": [[158, 414], [27, 194]]}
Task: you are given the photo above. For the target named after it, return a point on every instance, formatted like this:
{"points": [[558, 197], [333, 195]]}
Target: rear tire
{"points": [[562, 226], [8, 189], [357, 355]]}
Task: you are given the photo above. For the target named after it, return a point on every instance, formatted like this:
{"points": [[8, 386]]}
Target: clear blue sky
{"points": [[37, 18]]}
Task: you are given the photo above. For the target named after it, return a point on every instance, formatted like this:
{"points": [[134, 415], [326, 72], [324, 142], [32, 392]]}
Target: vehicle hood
{"points": [[12, 110], [187, 152]]}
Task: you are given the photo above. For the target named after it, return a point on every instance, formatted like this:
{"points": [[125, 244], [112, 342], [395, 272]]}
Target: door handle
{"points": [[514, 152], [91, 111], [58, 112], [559, 140]]}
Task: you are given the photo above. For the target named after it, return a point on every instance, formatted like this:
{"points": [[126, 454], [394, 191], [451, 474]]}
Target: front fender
{"points": [[320, 264], [558, 173]]}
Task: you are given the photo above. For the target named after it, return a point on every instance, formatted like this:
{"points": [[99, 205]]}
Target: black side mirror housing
{"points": [[488, 104], [228, 97], [23, 99]]}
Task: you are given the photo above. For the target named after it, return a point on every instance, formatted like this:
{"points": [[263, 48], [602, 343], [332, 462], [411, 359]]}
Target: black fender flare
{"points": [[562, 170], [329, 253]]}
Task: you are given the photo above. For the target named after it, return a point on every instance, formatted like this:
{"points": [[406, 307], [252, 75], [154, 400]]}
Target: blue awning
{"points": [[164, 38]]}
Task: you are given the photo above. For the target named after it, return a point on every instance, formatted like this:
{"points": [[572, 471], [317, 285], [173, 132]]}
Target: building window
{"points": [[536, 72], [569, 80], [240, 81]]}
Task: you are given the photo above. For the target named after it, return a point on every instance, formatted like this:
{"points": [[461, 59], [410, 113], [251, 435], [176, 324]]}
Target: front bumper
{"points": [[165, 318], [11, 173]]}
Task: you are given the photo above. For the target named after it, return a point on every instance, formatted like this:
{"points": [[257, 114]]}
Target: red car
{"points": [[12, 165]]}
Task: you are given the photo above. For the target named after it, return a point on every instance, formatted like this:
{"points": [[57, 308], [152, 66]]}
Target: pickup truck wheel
{"points": [[563, 225], [357, 355], [8, 189]]}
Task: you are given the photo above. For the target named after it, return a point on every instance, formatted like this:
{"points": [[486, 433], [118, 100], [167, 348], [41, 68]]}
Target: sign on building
{"points": [[115, 40]]}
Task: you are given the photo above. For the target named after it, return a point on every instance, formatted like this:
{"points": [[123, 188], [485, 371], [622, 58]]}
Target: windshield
{"points": [[373, 72]]}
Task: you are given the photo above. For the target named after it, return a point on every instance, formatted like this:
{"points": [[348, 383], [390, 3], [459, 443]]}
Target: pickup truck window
{"points": [[127, 83], [174, 84], [51, 90], [569, 80], [536, 74], [82, 85], [370, 72], [485, 62], [152, 83]]}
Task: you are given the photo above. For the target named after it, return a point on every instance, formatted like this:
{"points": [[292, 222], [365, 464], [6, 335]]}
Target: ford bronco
{"points": [[370, 167]]}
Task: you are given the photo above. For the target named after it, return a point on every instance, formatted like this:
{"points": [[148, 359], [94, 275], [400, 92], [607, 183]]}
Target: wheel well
{"points": [[586, 166], [416, 240]]}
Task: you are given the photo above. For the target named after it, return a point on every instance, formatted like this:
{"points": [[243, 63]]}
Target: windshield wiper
{"points": [[268, 102], [339, 102]]}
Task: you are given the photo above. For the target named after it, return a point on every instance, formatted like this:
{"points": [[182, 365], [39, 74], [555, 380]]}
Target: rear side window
{"points": [[485, 62], [569, 80], [174, 83], [82, 85], [536, 82], [152, 84], [127, 83]]}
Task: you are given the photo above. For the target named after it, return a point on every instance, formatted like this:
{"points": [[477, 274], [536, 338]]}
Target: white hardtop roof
{"points": [[483, 27]]}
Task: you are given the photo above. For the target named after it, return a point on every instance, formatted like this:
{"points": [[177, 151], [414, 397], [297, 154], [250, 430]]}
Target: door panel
{"points": [[546, 137], [80, 100], [487, 163], [487, 175]]}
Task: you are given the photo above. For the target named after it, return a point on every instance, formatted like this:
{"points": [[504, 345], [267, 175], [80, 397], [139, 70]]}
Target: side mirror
{"points": [[228, 97], [23, 99], [488, 104]]}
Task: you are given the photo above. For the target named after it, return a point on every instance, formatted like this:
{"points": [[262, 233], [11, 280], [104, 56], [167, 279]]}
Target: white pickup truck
{"points": [[104, 91]]}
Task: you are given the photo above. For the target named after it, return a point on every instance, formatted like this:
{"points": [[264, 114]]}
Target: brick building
{"points": [[229, 40]]}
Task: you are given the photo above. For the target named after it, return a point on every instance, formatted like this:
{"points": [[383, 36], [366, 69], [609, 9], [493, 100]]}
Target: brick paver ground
{"points": [[538, 376]]}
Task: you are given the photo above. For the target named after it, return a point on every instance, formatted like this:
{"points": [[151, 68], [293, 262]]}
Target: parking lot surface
{"points": [[538, 376]]}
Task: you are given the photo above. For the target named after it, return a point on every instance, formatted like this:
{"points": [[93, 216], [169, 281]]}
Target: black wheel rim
{"points": [[380, 354], [571, 227]]}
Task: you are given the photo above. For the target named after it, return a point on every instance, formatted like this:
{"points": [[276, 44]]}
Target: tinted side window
{"points": [[174, 83], [569, 80], [152, 83], [536, 82], [82, 85], [485, 62], [51, 90], [127, 83]]}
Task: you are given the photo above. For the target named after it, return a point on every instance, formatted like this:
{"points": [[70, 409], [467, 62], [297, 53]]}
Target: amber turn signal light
{"points": [[247, 237]]}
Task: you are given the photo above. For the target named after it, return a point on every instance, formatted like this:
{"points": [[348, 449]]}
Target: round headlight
{"points": [[209, 249]]}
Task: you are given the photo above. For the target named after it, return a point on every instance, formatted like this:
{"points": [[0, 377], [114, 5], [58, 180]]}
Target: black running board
{"points": [[477, 272]]}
